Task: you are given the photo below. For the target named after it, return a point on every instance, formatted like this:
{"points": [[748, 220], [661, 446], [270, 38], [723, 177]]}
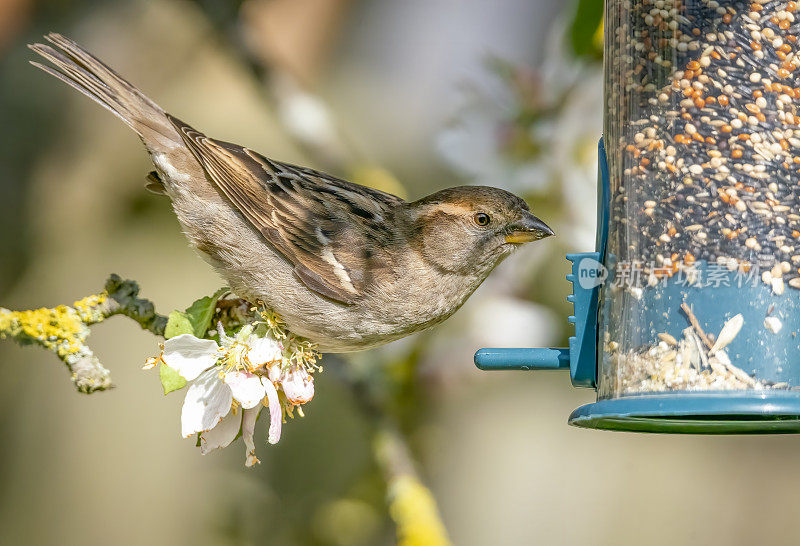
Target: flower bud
{"points": [[298, 386]]}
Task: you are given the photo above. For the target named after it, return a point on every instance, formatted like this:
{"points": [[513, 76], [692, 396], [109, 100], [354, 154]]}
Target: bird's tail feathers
{"points": [[83, 71]]}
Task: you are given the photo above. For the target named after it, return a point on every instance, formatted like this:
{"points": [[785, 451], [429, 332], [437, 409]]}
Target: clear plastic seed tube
{"points": [[702, 135]]}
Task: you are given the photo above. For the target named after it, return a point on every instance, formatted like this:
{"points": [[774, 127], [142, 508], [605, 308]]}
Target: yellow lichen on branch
{"points": [[91, 307], [411, 505], [64, 329], [58, 329], [414, 512]]}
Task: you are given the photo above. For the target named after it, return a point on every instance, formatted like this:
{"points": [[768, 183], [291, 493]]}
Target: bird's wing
{"points": [[330, 229]]}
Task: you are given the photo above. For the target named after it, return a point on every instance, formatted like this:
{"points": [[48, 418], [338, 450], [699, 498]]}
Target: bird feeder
{"points": [[687, 314]]}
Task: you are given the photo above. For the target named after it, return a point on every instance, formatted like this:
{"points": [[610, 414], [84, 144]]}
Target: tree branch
{"points": [[411, 505], [64, 329]]}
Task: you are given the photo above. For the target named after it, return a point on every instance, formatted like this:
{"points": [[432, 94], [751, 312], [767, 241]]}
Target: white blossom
{"points": [[230, 381], [229, 384], [190, 356]]}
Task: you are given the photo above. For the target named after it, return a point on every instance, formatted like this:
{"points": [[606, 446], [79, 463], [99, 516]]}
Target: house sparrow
{"points": [[345, 266]]}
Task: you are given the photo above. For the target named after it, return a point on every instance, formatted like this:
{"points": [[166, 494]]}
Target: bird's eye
{"points": [[482, 219]]}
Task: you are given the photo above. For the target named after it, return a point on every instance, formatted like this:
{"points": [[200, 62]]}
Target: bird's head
{"points": [[472, 228]]}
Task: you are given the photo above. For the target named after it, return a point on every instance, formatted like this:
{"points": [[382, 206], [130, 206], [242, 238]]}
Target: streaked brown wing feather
{"points": [[327, 227]]}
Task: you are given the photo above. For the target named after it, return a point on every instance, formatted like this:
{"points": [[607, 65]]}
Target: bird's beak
{"points": [[528, 228]]}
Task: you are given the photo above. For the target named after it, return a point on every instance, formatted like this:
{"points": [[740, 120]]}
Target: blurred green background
{"points": [[409, 96]]}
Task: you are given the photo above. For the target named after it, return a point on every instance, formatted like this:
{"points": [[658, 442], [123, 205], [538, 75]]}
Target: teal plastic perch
{"points": [[581, 356], [522, 359]]}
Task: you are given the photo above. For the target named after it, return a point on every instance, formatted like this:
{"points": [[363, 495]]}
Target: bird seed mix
{"points": [[702, 103]]}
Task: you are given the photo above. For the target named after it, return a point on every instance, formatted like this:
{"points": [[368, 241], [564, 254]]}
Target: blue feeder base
{"points": [[724, 412]]}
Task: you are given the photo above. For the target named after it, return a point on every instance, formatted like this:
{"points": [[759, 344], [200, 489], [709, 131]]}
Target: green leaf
{"points": [[586, 28], [201, 312], [170, 379], [178, 323]]}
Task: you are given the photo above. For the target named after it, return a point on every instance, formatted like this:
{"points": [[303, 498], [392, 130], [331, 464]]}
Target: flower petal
{"points": [[151, 362], [263, 351], [247, 388], [190, 356], [274, 372], [275, 412], [222, 434], [248, 429], [207, 401], [298, 386]]}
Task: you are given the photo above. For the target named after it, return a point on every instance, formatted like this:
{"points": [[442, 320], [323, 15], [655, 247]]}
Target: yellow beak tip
{"points": [[519, 237]]}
